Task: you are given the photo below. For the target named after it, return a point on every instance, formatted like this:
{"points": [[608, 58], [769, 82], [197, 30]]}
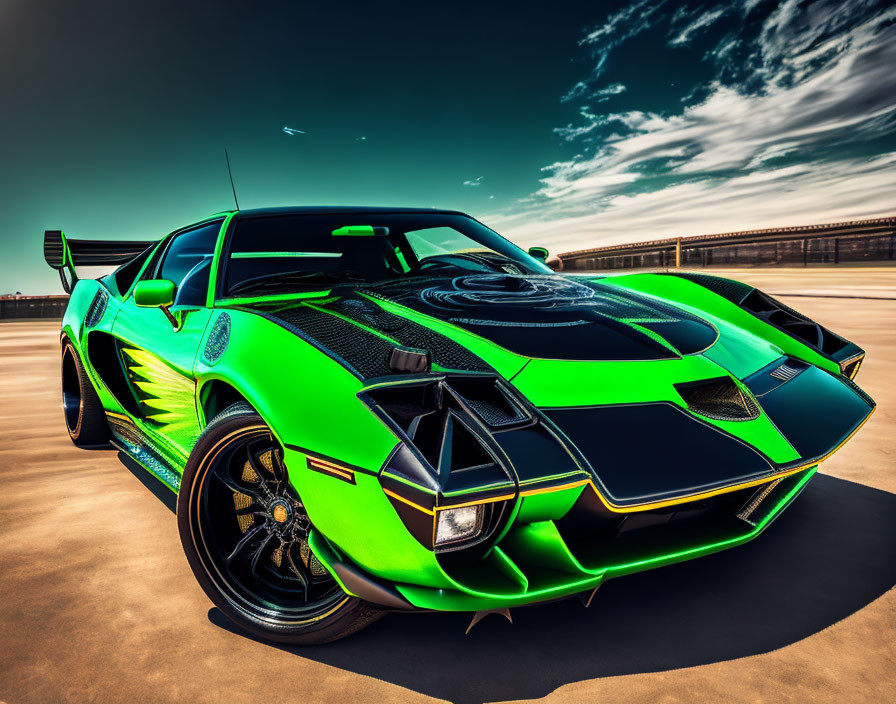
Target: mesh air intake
{"points": [[97, 308], [719, 399]]}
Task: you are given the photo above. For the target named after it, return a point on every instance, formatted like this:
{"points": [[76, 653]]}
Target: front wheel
{"points": [[245, 533]]}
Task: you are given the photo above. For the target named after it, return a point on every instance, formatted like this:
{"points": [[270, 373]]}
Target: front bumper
{"points": [[545, 560]]}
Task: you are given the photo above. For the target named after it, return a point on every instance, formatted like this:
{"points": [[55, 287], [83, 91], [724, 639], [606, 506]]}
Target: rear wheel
{"points": [[84, 414], [245, 533]]}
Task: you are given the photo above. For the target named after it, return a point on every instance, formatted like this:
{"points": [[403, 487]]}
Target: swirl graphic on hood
{"points": [[558, 317], [507, 290]]}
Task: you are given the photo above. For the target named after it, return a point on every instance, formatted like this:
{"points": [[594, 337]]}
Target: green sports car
{"points": [[365, 410]]}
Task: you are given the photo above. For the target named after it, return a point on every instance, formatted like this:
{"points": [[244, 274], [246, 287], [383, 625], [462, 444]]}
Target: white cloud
{"points": [[795, 195], [774, 155], [707, 18], [618, 27]]}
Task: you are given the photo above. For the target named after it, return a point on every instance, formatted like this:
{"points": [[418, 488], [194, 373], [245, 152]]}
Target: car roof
{"points": [[340, 209]]}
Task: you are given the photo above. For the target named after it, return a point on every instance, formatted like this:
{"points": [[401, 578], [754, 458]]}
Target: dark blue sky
{"points": [[561, 123]]}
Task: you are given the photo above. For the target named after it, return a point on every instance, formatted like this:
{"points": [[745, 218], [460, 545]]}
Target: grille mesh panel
{"points": [[444, 351], [719, 399], [367, 353], [493, 413]]}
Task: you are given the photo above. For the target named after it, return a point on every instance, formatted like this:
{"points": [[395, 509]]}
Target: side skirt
{"points": [[128, 438]]}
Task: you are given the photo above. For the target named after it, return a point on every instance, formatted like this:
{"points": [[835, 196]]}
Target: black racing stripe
{"points": [[816, 411], [734, 291], [364, 354], [445, 352]]}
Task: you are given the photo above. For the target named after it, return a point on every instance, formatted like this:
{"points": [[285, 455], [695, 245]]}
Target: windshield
{"points": [[280, 253]]}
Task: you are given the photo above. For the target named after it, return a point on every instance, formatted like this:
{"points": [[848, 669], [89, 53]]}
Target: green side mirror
{"points": [[155, 293], [539, 253]]}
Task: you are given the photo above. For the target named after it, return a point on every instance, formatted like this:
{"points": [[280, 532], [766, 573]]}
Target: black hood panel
{"points": [[655, 451], [554, 317], [365, 354]]}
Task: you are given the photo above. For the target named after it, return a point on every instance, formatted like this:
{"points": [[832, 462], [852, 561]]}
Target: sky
{"points": [[562, 124]]}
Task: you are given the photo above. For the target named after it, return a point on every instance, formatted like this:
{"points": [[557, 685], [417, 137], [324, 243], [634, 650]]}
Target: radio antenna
{"points": [[230, 173]]}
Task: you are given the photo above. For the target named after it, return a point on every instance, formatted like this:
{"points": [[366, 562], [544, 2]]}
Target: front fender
{"points": [[310, 403]]}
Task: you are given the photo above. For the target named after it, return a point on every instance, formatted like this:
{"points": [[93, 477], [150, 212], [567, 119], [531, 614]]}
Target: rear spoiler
{"points": [[64, 254]]}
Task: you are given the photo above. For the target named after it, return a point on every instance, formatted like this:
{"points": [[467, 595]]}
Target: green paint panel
{"points": [[700, 301], [359, 519], [548, 505]]}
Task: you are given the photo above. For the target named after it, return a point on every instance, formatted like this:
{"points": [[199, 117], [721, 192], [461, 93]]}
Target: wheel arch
{"points": [[214, 395]]}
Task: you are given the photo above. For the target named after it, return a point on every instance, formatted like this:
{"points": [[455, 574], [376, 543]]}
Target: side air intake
{"points": [[446, 427], [97, 308], [793, 323], [719, 399]]}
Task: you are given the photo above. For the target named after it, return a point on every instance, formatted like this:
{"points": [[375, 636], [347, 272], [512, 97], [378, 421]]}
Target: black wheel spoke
{"points": [[245, 543], [263, 566], [261, 472], [297, 567], [252, 510], [264, 551], [255, 450], [222, 474], [279, 467]]}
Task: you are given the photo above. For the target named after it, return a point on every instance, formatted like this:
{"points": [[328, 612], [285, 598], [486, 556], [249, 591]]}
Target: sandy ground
{"points": [[97, 602]]}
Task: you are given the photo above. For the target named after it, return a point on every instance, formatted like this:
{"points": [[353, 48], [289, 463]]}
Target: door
{"points": [[156, 355]]}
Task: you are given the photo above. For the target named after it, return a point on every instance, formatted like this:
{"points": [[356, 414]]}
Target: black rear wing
{"points": [[64, 254]]}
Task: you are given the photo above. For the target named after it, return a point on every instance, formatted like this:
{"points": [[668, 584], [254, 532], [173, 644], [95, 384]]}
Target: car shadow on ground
{"points": [[826, 557], [156, 488]]}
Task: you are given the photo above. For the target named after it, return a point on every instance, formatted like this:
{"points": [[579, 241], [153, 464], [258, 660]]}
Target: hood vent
{"points": [[719, 399], [786, 371]]}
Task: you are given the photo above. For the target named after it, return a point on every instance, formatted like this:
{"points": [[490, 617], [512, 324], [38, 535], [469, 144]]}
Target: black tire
{"points": [[85, 418], [250, 560]]}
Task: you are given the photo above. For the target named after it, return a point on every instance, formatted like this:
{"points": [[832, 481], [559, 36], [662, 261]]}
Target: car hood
{"points": [[608, 373], [554, 317]]}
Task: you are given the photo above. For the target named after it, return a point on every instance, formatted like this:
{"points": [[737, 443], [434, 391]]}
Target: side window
{"points": [[187, 263], [126, 273]]}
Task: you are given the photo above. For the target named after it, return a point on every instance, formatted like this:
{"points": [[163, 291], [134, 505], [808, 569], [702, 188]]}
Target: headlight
{"points": [[456, 524]]}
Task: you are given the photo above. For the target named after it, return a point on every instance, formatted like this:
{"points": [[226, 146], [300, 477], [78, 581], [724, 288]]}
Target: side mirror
{"points": [[539, 253], [155, 293]]}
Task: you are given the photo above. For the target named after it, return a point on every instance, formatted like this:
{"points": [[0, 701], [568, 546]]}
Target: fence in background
{"points": [[859, 241], [19, 307]]}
